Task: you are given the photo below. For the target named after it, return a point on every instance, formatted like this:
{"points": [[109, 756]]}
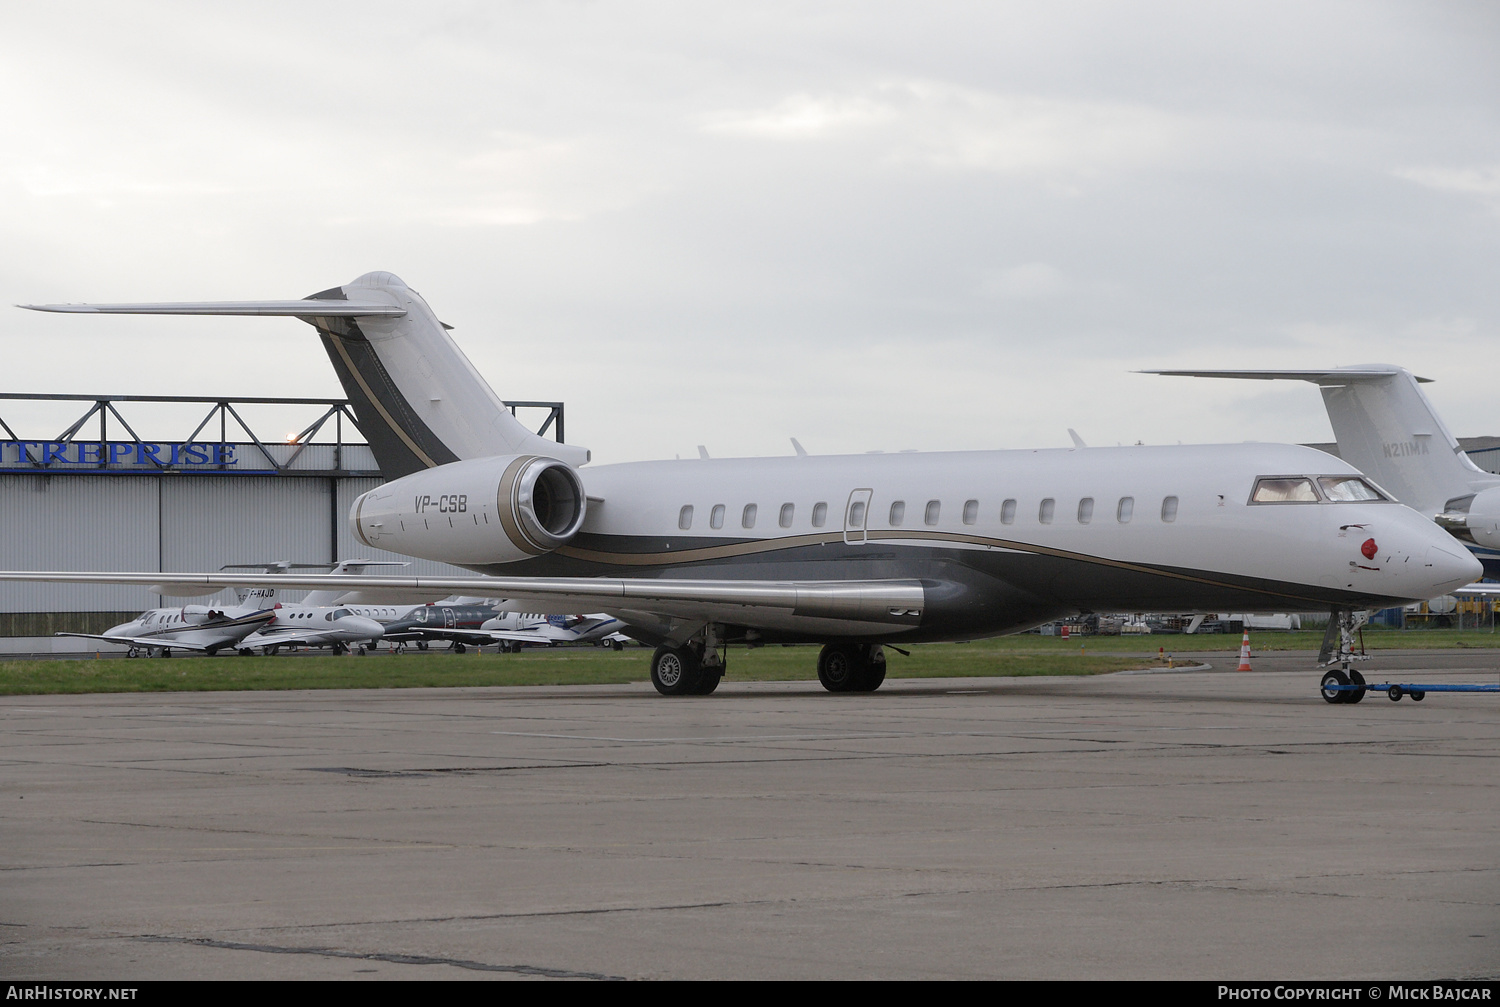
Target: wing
{"points": [[843, 607], [285, 638], [141, 641], [461, 635], [1328, 376]]}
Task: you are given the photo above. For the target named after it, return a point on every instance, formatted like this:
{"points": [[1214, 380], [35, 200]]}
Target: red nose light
{"points": [[1369, 549]]}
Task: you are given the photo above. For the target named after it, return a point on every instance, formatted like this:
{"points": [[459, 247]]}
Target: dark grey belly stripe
{"points": [[763, 546]]}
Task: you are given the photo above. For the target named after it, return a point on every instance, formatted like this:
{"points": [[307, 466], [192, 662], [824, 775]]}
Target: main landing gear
{"points": [[683, 671], [851, 667], [695, 668]]}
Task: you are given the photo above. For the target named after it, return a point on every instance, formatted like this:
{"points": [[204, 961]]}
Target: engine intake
{"points": [[483, 510]]}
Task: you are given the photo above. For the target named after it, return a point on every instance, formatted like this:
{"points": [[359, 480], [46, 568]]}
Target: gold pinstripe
{"points": [[338, 343]]}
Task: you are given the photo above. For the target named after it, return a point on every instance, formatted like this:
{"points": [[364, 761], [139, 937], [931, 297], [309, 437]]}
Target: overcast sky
{"points": [[869, 226]]}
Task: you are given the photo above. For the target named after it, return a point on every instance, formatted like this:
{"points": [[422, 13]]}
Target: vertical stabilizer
{"points": [[419, 401], [1387, 428]]}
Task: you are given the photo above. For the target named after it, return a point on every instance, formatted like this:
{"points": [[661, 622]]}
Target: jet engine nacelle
{"points": [[481, 510], [1483, 519]]}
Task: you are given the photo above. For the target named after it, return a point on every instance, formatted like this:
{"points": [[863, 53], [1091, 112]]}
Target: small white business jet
{"points": [[852, 552], [201, 629], [337, 627]]}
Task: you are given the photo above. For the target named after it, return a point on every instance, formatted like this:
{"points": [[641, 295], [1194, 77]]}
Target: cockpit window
{"points": [[1284, 489], [1348, 489], [340, 613]]}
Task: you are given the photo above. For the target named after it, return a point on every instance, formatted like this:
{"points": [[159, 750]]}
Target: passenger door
{"points": [[857, 517]]}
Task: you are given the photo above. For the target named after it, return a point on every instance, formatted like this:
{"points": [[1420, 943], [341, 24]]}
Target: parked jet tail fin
{"points": [[419, 401], [1386, 428]]}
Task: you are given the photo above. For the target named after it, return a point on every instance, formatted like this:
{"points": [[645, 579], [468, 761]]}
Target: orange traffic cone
{"points": [[1244, 653]]}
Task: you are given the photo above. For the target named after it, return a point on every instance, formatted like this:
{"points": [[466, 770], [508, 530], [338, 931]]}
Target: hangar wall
{"points": [[177, 505], [186, 523]]}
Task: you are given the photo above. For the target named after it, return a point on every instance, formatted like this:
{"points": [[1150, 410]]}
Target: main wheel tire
{"points": [[133, 652], [675, 671], [708, 681], [839, 667], [246, 652], [616, 645], [1355, 695], [421, 644], [458, 648], [1334, 695], [872, 669]]}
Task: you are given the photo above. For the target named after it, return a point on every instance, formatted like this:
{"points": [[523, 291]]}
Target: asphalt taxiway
{"points": [[1213, 825]]}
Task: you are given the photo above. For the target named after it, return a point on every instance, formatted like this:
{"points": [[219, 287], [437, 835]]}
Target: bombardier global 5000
{"points": [[851, 552]]}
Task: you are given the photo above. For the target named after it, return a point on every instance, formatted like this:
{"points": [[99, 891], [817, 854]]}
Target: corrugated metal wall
{"points": [[77, 523], [175, 523]]}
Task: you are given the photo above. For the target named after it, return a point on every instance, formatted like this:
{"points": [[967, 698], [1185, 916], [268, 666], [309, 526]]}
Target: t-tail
{"points": [[419, 401], [1387, 428]]}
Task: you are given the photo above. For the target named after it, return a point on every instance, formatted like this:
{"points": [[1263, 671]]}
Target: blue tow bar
{"points": [[1417, 691]]}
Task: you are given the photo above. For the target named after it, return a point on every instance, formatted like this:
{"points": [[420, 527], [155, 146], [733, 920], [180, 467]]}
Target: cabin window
{"points": [[1046, 510], [1348, 489], [1125, 509], [685, 517], [1085, 510], [898, 513], [930, 515], [747, 519], [971, 511], [787, 510], [1008, 512], [1284, 489], [1169, 510], [820, 514], [857, 514], [716, 516]]}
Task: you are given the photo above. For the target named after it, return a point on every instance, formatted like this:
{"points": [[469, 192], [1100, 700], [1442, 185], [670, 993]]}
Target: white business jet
{"points": [[199, 628], [852, 552], [337, 627]]}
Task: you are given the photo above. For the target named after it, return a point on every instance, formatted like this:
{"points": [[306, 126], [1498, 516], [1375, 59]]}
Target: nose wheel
{"points": [[1338, 687]]}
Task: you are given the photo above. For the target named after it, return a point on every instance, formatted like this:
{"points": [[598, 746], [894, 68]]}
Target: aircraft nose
{"points": [[368, 629], [1450, 567]]}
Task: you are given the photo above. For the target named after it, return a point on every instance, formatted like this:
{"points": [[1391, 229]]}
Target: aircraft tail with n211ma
{"points": [[854, 552]]}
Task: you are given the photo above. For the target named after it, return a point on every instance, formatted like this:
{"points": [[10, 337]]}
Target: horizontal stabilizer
{"points": [[306, 308], [1327, 376]]}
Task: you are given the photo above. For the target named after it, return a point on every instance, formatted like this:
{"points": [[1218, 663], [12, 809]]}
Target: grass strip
{"points": [[560, 666]]}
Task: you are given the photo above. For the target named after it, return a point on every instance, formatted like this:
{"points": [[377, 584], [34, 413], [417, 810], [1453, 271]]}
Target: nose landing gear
{"points": [[1343, 685]]}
